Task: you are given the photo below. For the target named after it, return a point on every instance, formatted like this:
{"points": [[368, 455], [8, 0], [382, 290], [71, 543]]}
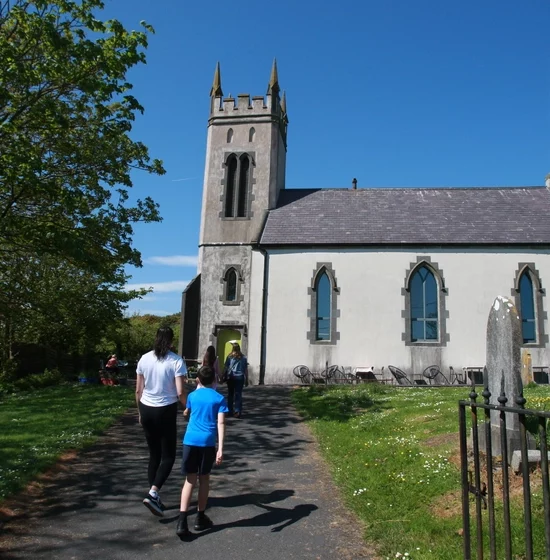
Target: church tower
{"points": [[244, 173]]}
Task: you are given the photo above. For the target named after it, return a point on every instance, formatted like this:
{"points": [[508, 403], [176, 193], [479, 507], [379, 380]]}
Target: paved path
{"points": [[270, 500]]}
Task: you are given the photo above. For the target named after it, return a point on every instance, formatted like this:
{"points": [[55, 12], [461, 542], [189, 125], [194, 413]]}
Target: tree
{"points": [[133, 336], [66, 154]]}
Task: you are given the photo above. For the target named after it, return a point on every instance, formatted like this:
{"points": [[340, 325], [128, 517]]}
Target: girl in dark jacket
{"points": [[236, 370]]}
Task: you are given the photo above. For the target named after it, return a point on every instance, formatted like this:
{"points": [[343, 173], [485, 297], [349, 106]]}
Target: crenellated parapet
{"points": [[257, 108]]}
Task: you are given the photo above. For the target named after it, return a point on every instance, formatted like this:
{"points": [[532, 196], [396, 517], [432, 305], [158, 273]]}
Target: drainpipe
{"points": [[263, 327]]}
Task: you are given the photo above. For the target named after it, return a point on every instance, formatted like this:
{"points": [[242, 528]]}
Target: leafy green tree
{"points": [[66, 156], [133, 336], [62, 307]]}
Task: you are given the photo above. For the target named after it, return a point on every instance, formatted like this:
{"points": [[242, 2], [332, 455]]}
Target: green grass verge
{"points": [[39, 426], [395, 455]]}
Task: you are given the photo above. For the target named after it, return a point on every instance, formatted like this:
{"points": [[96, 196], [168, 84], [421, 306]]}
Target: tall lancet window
{"points": [[528, 317], [230, 186], [529, 298], [323, 312], [244, 177], [231, 285], [238, 182], [425, 311], [323, 307], [424, 305]]}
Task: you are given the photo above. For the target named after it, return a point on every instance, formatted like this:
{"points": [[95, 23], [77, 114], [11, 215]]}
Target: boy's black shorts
{"points": [[197, 460]]}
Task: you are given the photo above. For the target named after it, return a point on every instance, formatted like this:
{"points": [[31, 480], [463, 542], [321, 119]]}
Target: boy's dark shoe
{"points": [[182, 529], [162, 506], [154, 505], [203, 522]]}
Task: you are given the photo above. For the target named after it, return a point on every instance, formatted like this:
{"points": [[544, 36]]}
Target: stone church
{"points": [[350, 276]]}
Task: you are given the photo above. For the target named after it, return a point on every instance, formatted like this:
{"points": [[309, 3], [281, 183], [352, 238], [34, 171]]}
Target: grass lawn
{"points": [[39, 426], [395, 455]]}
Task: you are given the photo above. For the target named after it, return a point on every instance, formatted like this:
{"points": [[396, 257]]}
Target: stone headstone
{"points": [[504, 368], [526, 367]]}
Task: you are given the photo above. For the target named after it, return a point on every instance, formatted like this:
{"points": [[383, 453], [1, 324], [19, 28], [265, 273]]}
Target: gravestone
{"points": [[503, 371], [527, 367]]}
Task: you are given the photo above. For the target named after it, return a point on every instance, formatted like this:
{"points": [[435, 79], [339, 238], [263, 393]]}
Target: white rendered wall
{"points": [[371, 303], [255, 316]]}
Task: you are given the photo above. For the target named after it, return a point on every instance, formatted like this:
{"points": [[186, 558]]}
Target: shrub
{"points": [[32, 382], [8, 372], [40, 380]]}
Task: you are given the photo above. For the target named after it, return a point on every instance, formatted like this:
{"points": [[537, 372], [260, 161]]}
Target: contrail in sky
{"points": [[185, 179]]}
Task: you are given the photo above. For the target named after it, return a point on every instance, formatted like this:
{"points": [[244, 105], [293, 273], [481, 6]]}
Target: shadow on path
{"points": [[90, 506]]}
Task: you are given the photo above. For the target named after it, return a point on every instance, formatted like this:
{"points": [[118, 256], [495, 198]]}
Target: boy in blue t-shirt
{"points": [[207, 410]]}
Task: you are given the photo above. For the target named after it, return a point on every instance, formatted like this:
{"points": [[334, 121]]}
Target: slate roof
{"points": [[410, 216]]}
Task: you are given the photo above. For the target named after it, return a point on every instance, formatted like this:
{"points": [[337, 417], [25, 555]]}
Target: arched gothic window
{"points": [[323, 312], [251, 134], [529, 297], [231, 285], [425, 313], [237, 186], [230, 136], [230, 186], [323, 307], [424, 305], [528, 317], [244, 175]]}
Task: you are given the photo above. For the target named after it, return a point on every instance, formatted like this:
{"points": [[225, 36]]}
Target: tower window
{"points": [[244, 173], [232, 283], [237, 196], [251, 134], [230, 186], [230, 136]]}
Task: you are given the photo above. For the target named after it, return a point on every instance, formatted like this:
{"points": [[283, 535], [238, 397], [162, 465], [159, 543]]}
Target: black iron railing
{"points": [[484, 491]]}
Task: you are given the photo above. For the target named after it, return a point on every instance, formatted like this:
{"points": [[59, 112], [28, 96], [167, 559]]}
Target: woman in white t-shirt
{"points": [[160, 384]]}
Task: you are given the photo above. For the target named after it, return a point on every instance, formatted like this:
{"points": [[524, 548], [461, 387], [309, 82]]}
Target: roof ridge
{"points": [[534, 187]]}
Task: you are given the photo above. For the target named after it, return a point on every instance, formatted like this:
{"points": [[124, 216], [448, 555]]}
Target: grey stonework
{"points": [[239, 289], [268, 152], [228, 242], [215, 311], [503, 372]]}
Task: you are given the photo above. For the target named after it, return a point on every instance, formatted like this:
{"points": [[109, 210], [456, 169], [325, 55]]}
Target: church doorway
{"points": [[226, 338]]}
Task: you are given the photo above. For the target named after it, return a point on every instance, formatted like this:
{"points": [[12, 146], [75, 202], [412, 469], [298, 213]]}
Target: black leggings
{"points": [[159, 425]]}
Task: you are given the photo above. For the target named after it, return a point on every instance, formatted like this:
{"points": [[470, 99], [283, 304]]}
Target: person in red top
{"points": [[112, 364]]}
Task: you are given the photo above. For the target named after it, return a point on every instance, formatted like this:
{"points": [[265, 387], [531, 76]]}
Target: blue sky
{"points": [[394, 92]]}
